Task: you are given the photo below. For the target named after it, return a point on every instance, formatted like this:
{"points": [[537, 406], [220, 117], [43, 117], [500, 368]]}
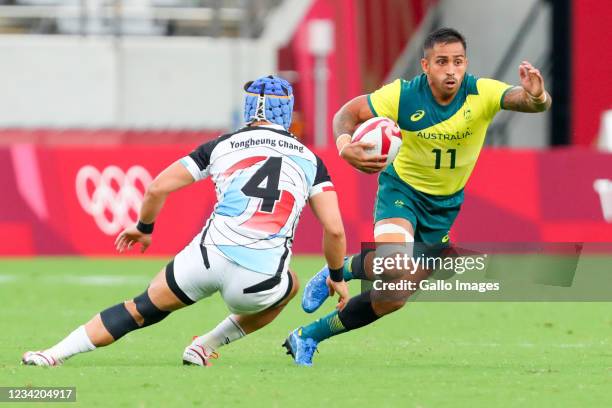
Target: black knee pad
{"points": [[149, 312], [118, 321]]}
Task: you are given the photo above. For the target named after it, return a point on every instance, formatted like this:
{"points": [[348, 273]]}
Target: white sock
{"points": [[76, 342], [227, 331]]}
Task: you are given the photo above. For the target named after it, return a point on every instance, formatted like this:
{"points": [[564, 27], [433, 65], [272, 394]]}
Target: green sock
{"points": [[347, 271], [323, 328], [353, 267]]}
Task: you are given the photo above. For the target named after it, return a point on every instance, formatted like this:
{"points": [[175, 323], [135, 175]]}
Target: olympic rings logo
{"points": [[112, 197]]}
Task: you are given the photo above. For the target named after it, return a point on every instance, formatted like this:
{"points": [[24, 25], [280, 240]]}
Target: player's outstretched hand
{"points": [[355, 154], [341, 288], [531, 79], [131, 236]]}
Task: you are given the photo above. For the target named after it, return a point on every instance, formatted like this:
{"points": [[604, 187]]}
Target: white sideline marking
{"points": [[7, 278], [86, 280], [106, 280], [528, 345]]}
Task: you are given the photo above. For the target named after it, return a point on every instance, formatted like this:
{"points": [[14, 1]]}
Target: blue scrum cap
{"points": [[268, 98]]}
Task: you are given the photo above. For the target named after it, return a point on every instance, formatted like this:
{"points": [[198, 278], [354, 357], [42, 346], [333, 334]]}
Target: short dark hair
{"points": [[443, 35]]}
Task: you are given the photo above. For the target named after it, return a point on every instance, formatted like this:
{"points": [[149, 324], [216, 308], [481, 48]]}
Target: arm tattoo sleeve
{"points": [[517, 99], [344, 122]]}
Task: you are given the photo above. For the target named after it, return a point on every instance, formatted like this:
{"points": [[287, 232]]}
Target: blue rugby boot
{"points": [[300, 348], [316, 291]]}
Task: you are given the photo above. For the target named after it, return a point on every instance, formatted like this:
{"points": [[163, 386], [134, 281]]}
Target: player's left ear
{"points": [[425, 65]]}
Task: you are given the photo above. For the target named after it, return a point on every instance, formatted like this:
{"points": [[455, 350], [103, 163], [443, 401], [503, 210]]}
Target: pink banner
{"points": [[74, 200], [591, 83]]}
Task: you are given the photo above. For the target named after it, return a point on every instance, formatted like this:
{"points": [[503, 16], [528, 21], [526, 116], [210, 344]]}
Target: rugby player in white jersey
{"points": [[263, 178]]}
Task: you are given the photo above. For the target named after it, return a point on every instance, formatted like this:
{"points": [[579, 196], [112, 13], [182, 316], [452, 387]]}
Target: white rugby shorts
{"points": [[243, 290]]}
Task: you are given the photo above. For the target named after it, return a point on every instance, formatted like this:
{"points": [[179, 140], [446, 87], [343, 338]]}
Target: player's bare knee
{"points": [[388, 306], [336, 232], [131, 308], [391, 307], [397, 305]]}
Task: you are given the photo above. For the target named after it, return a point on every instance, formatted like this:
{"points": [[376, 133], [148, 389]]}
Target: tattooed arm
{"points": [[531, 95], [517, 99], [346, 120]]}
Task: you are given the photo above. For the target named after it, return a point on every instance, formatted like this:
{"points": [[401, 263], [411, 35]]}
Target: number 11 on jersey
{"points": [[451, 152]]}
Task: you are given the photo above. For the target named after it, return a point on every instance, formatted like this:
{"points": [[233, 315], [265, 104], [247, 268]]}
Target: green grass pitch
{"points": [[426, 355]]}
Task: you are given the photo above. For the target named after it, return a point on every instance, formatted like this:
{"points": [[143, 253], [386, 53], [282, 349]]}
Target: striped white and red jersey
{"points": [[263, 178]]}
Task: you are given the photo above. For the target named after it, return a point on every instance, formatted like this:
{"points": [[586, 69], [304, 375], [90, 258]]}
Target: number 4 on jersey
{"points": [[268, 175], [276, 206]]}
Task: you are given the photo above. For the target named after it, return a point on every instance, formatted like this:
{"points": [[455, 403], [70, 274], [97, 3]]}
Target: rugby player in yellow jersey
{"points": [[443, 114]]}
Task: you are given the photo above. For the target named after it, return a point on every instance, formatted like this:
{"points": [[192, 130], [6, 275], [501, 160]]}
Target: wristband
{"points": [[537, 100], [145, 228], [337, 275]]}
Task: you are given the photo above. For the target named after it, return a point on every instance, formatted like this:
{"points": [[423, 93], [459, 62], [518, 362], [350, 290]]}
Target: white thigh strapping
{"points": [[393, 229]]}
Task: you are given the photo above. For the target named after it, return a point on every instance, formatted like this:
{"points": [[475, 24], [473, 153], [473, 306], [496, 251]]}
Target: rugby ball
{"points": [[384, 133]]}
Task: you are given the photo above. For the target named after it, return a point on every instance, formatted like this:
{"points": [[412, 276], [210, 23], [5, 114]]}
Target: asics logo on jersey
{"points": [[418, 115], [112, 197]]}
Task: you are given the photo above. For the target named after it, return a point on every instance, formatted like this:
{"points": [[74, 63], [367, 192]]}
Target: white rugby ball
{"points": [[384, 133]]}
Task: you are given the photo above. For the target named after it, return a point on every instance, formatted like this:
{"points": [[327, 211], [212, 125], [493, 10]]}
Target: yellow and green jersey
{"points": [[440, 143]]}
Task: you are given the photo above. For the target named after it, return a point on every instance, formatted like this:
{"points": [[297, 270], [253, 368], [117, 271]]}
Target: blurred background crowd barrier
{"points": [[131, 85], [64, 200]]}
